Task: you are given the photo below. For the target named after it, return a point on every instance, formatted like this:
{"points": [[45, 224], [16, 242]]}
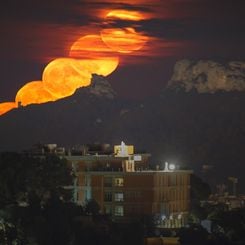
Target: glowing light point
{"points": [[171, 166]]}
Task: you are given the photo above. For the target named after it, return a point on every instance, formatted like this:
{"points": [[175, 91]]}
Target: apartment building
{"points": [[125, 187]]}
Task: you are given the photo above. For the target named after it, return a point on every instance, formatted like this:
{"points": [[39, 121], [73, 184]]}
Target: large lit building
{"points": [[123, 184], [125, 187]]}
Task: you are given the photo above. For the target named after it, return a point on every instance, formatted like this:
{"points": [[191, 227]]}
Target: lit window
{"points": [[118, 182], [119, 211], [119, 197]]}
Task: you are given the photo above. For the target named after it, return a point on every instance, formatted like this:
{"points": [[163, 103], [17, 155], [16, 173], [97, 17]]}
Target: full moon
{"points": [[125, 15], [123, 40], [33, 93], [90, 54], [61, 77], [7, 106], [93, 53]]}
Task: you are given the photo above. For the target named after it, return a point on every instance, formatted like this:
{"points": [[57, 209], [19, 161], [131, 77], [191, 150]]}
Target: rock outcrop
{"points": [[101, 87], [207, 76]]}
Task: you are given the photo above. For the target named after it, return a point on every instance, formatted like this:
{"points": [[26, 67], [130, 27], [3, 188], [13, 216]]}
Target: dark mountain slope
{"points": [[191, 129]]}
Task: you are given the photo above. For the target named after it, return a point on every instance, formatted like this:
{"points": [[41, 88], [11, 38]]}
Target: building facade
{"points": [[125, 187]]}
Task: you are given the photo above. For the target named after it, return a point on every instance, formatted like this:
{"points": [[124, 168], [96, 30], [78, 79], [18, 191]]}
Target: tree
{"points": [[92, 207], [22, 177], [230, 224], [193, 235], [199, 191], [27, 185]]}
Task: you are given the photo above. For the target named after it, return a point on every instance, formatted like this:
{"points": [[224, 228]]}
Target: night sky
{"points": [[34, 32]]}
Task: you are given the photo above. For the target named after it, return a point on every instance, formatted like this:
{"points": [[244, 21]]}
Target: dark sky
{"points": [[34, 32]]}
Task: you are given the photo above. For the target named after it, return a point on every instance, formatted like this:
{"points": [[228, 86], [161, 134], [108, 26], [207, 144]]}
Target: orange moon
{"points": [[123, 40], [93, 55], [61, 77], [7, 106], [125, 15], [33, 93], [90, 54], [90, 47]]}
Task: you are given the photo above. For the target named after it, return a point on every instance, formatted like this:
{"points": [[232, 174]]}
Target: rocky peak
{"points": [[101, 87], [206, 76]]}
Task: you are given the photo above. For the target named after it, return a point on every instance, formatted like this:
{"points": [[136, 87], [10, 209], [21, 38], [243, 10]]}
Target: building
{"points": [[125, 187], [230, 201], [123, 184]]}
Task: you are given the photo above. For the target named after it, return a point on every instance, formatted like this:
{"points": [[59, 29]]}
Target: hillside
{"points": [[191, 129]]}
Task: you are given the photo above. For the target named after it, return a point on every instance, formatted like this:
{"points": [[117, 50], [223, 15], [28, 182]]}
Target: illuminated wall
{"points": [[125, 195]]}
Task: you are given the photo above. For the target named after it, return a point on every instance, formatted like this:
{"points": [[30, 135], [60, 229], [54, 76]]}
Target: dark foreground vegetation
{"points": [[35, 208]]}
